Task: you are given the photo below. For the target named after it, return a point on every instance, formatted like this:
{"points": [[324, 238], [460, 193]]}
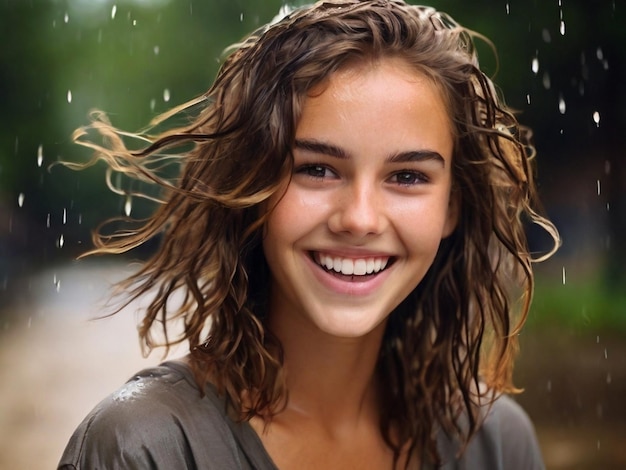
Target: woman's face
{"points": [[362, 218]]}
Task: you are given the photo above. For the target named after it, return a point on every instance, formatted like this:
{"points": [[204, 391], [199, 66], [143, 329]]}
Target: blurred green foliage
{"points": [[136, 58]]}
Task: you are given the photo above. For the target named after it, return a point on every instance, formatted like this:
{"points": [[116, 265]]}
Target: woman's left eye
{"points": [[409, 178]]}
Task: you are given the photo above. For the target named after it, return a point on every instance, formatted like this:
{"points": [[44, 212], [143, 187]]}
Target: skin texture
{"points": [[372, 181]]}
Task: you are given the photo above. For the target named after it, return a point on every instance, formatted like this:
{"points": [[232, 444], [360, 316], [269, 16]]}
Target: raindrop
{"points": [[66, 18], [20, 199], [128, 206], [113, 12], [561, 104], [48, 220], [607, 167], [152, 104], [64, 216], [596, 118], [598, 339], [535, 65], [605, 64], [156, 50], [599, 53], [58, 285], [508, 8], [528, 98], [563, 275], [61, 241], [606, 354], [546, 80], [166, 95], [241, 17], [562, 28], [598, 186], [40, 156], [545, 35], [80, 219], [69, 96]]}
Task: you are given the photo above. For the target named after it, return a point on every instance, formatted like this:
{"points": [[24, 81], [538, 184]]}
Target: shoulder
{"points": [[158, 419], [506, 439]]}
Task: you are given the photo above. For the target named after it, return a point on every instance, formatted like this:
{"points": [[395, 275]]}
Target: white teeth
{"points": [[351, 267]]}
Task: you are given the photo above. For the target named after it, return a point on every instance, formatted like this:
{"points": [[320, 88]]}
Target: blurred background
{"points": [[561, 64]]}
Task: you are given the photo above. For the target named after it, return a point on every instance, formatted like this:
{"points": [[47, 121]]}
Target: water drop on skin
{"points": [[20, 199], [40, 156]]}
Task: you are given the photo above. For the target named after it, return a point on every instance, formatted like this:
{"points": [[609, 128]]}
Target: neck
{"points": [[330, 380]]}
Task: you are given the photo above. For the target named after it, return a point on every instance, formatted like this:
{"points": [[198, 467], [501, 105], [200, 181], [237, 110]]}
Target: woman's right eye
{"points": [[315, 171]]}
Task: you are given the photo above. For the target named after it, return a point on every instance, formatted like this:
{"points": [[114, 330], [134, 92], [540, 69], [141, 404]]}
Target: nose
{"points": [[358, 211]]}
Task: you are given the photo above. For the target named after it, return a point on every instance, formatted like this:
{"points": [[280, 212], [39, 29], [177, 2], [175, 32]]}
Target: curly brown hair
{"points": [[458, 327]]}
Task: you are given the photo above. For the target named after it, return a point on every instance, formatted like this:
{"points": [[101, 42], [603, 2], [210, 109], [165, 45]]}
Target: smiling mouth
{"points": [[352, 267]]}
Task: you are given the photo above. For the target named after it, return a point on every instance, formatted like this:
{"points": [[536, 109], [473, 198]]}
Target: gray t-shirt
{"points": [[158, 420]]}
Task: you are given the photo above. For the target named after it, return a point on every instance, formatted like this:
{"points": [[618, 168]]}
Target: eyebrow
{"points": [[323, 148]]}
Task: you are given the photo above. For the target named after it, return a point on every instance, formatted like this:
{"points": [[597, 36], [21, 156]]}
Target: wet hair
{"points": [[453, 334]]}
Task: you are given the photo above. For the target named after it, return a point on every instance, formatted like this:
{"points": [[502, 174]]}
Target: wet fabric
{"points": [[158, 420]]}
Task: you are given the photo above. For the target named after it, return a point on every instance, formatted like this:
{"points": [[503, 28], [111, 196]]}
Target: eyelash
{"points": [[320, 171]]}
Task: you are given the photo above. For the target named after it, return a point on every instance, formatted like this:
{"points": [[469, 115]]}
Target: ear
{"points": [[454, 209]]}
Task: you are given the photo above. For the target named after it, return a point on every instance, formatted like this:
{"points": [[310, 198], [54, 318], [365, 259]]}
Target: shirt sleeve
{"points": [[152, 423], [506, 440]]}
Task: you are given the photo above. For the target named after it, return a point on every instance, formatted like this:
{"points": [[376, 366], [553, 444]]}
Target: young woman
{"points": [[345, 248]]}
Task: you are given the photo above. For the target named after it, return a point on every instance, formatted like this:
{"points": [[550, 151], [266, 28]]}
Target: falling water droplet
{"points": [[113, 12], [61, 241], [606, 354], [80, 219], [546, 81], [66, 18], [152, 104], [69, 96], [562, 107], [58, 285], [128, 206], [609, 379], [64, 218], [607, 167], [598, 186], [535, 65], [596, 118], [20, 199], [563, 275], [156, 50], [562, 28], [599, 53], [241, 17], [598, 339], [40, 156], [48, 220], [166, 95], [545, 35], [528, 98], [508, 8]]}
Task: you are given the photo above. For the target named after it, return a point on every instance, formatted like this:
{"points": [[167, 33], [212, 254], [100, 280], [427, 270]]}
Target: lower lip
{"points": [[348, 286]]}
